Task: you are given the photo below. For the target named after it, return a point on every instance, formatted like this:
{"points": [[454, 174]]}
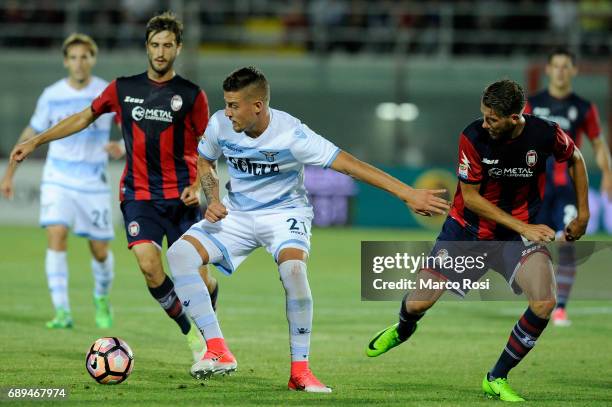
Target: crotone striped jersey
{"points": [[511, 174], [161, 124]]}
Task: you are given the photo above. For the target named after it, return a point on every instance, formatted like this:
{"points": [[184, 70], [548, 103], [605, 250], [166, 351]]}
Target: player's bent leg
{"points": [[565, 276], [185, 258], [102, 267], [292, 272], [536, 278], [211, 284], [160, 285], [56, 269], [412, 309]]}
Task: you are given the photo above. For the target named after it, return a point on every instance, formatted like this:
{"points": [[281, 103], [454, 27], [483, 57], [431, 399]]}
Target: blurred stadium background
{"points": [[393, 82]]}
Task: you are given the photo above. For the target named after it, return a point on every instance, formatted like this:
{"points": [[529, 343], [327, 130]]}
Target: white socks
{"points": [[56, 267], [184, 261], [299, 307], [103, 274]]}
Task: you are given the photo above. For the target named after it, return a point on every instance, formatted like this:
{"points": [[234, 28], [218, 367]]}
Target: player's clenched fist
{"points": [[427, 202], [190, 195], [215, 212], [575, 229], [21, 151], [6, 188]]}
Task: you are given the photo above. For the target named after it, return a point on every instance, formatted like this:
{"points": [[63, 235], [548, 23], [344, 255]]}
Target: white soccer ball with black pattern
{"points": [[109, 360]]}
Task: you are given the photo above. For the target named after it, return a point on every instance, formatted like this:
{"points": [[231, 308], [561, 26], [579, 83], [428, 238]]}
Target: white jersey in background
{"points": [[266, 172], [78, 161]]}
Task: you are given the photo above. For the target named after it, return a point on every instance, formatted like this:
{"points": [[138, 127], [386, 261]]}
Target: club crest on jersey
{"points": [[531, 158], [176, 103], [133, 228], [269, 155]]}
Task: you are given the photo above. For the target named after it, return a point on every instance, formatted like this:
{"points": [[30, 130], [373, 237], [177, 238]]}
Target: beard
{"points": [[502, 135], [162, 70]]}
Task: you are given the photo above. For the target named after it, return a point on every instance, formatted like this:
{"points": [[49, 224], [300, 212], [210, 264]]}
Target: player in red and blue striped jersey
{"points": [[577, 117], [162, 117], [501, 169]]}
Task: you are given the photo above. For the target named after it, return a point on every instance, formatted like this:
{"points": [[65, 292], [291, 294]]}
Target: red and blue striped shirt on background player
{"points": [[511, 173], [161, 124], [575, 115]]}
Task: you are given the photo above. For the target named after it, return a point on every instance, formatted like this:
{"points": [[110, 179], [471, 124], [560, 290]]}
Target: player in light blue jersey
{"points": [[74, 190], [266, 206]]}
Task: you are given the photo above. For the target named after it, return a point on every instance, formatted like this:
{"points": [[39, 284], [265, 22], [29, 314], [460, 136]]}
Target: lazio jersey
{"points": [[78, 161], [266, 172]]}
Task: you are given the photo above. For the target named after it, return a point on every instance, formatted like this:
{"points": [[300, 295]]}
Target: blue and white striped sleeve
{"points": [[312, 149], [41, 120], [209, 147]]}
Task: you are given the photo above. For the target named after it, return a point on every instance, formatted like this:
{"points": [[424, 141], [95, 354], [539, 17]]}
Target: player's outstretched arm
{"points": [[6, 185], [421, 201], [65, 128], [578, 172], [604, 162], [485, 209], [209, 181]]}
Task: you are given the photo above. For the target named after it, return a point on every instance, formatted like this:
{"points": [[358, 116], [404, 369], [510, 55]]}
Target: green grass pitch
{"points": [[442, 364]]}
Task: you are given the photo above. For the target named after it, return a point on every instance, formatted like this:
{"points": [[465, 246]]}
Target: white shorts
{"points": [[87, 213], [239, 233]]}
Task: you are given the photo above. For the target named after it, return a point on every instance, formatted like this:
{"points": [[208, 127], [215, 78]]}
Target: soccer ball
{"points": [[109, 360]]}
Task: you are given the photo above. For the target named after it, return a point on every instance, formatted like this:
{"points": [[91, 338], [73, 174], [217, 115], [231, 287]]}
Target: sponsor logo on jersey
{"points": [[233, 148], [489, 161], [269, 155], [176, 103], [517, 172], [133, 228], [531, 158], [245, 165], [129, 99], [139, 113]]}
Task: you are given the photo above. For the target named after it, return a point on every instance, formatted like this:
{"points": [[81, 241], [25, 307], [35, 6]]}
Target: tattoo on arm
{"points": [[210, 186]]}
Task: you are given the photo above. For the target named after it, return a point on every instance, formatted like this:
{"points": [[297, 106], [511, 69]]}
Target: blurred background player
{"points": [[162, 117], [501, 176], [266, 150], [576, 116], [74, 192]]}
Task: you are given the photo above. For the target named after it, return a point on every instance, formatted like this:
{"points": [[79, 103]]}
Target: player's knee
{"points": [[99, 253], [543, 308], [57, 237], [183, 257], [151, 268]]}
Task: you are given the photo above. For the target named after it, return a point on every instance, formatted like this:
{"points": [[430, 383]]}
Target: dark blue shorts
{"points": [[150, 221], [558, 206], [463, 256]]}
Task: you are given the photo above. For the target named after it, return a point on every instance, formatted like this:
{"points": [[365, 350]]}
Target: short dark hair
{"points": [[247, 76], [505, 97], [166, 21], [562, 51]]}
